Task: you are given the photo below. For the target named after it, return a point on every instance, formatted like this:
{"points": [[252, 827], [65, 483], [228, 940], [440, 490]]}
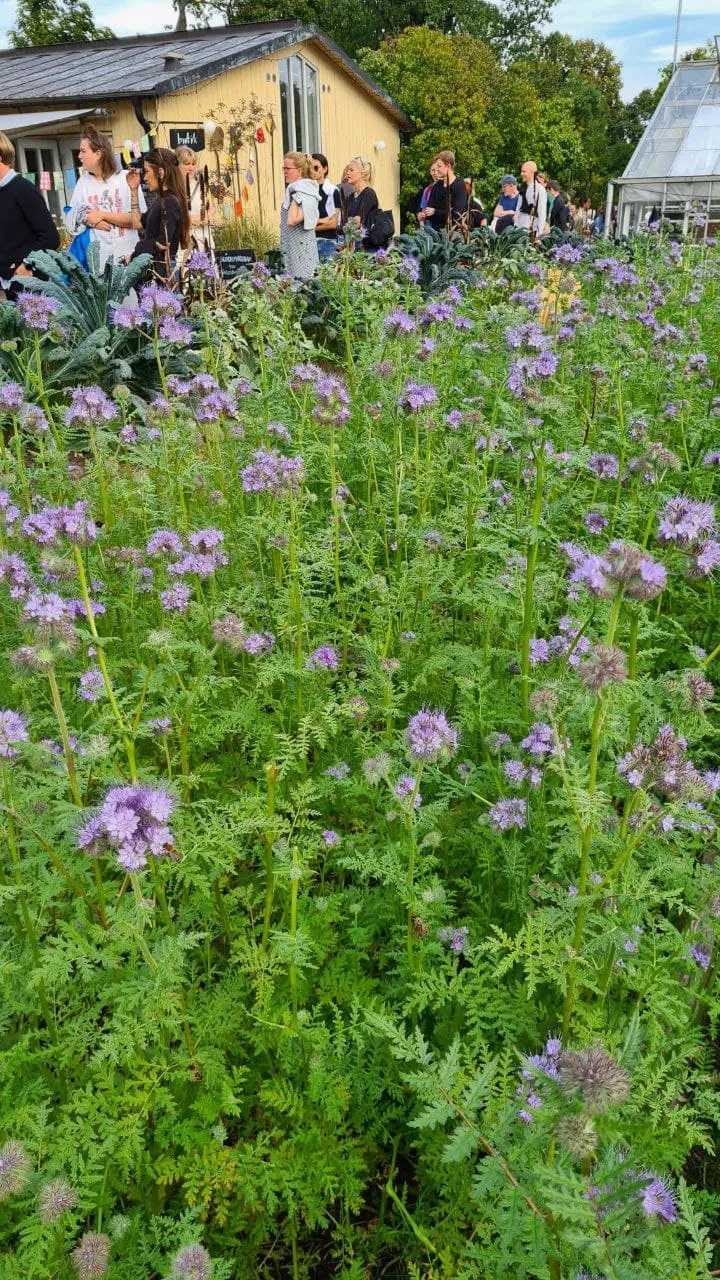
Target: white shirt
{"points": [[537, 195], [113, 194]]}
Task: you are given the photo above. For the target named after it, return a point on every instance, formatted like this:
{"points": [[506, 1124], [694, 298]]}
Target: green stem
{"points": [[532, 554], [120, 719], [271, 777]]}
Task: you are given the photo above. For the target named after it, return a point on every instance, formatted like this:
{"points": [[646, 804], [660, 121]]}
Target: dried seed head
{"points": [[698, 690], [92, 1256], [603, 665], [419, 927], [14, 1168], [55, 1199], [192, 1263], [577, 1134], [598, 1078], [543, 701]]}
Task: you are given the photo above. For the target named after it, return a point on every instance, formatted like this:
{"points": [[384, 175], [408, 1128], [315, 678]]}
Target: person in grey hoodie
{"points": [[298, 216]]}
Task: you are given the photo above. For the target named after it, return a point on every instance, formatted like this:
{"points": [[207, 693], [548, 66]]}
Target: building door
{"points": [[52, 156]]}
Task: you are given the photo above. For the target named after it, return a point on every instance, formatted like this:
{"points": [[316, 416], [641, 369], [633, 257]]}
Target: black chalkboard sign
{"points": [[232, 262], [192, 138]]}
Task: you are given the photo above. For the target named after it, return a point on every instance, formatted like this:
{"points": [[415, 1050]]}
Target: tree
{"points": [[510, 27], [445, 84], [39, 22]]}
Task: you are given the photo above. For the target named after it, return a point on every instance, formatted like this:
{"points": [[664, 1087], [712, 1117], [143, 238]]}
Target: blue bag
{"points": [[79, 246]]}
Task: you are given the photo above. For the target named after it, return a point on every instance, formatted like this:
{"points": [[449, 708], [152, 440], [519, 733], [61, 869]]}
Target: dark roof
{"points": [[152, 65]]}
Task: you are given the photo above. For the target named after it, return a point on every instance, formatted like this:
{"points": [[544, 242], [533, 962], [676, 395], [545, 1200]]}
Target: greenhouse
{"points": [[674, 171]]}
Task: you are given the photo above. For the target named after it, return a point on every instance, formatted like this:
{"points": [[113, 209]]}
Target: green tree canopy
{"points": [[509, 27], [446, 85], [39, 22]]}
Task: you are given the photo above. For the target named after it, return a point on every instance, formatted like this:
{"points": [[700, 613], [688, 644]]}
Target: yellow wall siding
{"points": [[351, 123]]}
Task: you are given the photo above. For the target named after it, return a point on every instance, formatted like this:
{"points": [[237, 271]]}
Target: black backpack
{"points": [[380, 228]]}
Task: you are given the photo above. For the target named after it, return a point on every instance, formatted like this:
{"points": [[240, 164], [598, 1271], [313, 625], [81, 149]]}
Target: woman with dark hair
{"points": [[101, 200], [165, 227], [326, 227]]}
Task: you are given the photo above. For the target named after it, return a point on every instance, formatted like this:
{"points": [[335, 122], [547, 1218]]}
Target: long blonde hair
{"points": [[302, 161]]}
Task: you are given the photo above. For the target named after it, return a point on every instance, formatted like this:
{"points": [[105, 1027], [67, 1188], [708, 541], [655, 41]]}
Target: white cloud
{"points": [[664, 52], [134, 19]]}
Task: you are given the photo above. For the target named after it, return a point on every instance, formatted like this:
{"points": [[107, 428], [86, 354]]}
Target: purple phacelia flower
{"points": [[13, 733], [506, 814], [323, 658], [429, 736]]}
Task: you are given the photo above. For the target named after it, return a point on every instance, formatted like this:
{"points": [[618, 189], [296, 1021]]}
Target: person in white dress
{"points": [[202, 211], [101, 200]]}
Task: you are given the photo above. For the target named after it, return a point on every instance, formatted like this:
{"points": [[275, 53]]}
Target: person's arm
{"points": [[132, 177], [43, 232]]}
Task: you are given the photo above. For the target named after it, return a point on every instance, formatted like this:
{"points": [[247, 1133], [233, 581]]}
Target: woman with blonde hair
{"points": [[298, 216], [363, 201], [202, 215], [101, 200]]}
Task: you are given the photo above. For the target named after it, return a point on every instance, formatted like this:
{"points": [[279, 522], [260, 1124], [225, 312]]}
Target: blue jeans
{"points": [[326, 248]]}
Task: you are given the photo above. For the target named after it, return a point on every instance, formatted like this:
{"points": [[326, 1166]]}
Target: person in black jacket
{"points": [[25, 222], [448, 199], [560, 213], [165, 227]]}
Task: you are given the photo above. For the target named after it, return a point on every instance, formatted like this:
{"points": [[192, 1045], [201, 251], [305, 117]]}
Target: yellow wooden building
{"points": [[192, 87]]}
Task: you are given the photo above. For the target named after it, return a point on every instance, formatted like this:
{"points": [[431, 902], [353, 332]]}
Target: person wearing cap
{"points": [[504, 211]]}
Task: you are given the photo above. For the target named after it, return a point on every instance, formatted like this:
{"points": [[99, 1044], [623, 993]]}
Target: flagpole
{"points": [[677, 35]]}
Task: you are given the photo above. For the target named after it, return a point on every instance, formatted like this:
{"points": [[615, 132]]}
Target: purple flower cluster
{"points": [[132, 822], [13, 733], [684, 522], [528, 368], [530, 335], [605, 466], [399, 324], [200, 265], [90, 407], [51, 525], [535, 1067], [11, 397], [92, 685], [271, 472], [454, 939], [689, 524], [567, 641], [332, 402], [663, 767], [641, 577], [405, 787], [508, 813], [429, 736], [417, 396], [37, 310], [324, 658]]}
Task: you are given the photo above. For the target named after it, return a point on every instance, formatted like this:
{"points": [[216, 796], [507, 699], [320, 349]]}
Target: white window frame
{"points": [[294, 143]]}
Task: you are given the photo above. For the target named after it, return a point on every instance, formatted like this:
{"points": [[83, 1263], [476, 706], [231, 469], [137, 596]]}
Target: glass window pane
{"points": [[300, 141], [285, 105], [312, 108]]}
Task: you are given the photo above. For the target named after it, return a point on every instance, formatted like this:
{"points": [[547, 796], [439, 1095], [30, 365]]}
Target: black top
{"points": [[440, 196], [157, 231], [560, 213], [360, 207], [25, 224]]}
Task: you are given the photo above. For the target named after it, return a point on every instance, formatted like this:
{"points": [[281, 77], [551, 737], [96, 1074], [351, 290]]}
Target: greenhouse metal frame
{"points": [[674, 171]]}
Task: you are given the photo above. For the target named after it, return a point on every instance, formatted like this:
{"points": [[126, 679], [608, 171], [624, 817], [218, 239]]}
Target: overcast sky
{"points": [[639, 32]]}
